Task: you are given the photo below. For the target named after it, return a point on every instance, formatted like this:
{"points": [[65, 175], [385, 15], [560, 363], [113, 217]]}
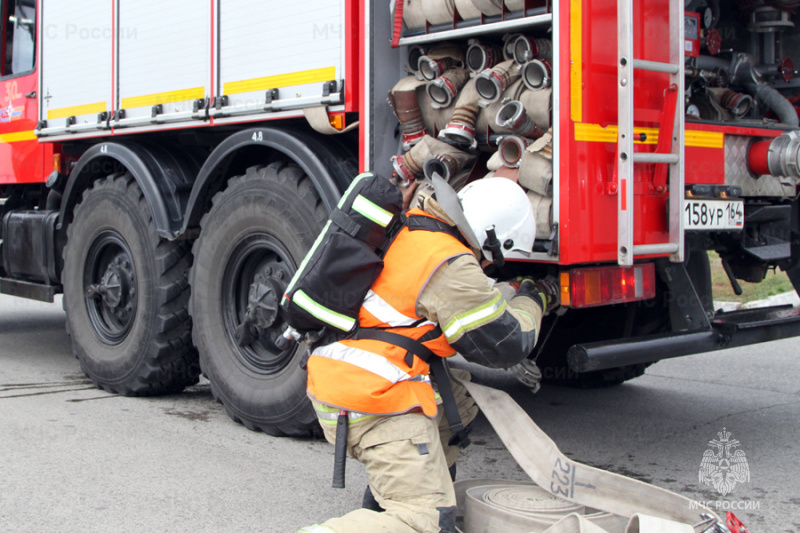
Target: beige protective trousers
{"points": [[406, 459]]}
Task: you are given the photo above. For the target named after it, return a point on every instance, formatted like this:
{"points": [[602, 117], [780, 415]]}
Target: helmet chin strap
{"points": [[447, 198]]}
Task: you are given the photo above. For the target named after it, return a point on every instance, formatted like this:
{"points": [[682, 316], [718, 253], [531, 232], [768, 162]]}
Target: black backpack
{"points": [[336, 274]]}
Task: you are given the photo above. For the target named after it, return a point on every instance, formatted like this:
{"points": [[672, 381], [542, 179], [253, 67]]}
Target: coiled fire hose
{"points": [[571, 497]]}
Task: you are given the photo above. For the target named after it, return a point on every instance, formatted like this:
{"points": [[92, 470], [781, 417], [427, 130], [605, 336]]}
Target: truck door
{"points": [[21, 155]]}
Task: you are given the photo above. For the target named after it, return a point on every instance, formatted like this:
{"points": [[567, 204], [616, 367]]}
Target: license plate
{"points": [[713, 214]]}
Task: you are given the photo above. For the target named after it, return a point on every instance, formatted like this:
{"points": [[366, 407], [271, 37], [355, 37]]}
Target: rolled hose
{"points": [[738, 104], [511, 148], [536, 166], [439, 59], [481, 56], [543, 213], [405, 104], [446, 165], [491, 83], [461, 128], [537, 74], [487, 114], [467, 10], [513, 118], [525, 48], [411, 165], [438, 11], [413, 15], [502, 506], [412, 58], [444, 89]]}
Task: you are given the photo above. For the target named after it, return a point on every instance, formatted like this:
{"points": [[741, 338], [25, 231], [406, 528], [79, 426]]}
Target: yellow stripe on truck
{"points": [[76, 110], [18, 136], [149, 100], [317, 75], [576, 56], [597, 133]]}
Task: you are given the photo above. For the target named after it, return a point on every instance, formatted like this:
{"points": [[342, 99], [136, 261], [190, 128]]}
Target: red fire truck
{"points": [[166, 166]]}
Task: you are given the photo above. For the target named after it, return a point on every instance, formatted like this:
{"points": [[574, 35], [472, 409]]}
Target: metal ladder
{"points": [[627, 158]]}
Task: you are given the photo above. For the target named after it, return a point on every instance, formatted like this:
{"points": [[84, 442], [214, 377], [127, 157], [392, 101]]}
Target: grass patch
{"points": [[776, 282]]}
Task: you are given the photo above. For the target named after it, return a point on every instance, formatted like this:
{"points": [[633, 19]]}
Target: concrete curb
{"points": [[779, 299]]}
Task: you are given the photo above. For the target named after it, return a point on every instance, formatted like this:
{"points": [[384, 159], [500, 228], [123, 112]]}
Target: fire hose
{"points": [[571, 497]]}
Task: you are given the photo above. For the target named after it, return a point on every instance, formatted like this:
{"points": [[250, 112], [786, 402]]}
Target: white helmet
{"points": [[501, 203]]}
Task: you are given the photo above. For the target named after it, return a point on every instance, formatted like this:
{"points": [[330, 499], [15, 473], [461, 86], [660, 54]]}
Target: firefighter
{"points": [[432, 288]]}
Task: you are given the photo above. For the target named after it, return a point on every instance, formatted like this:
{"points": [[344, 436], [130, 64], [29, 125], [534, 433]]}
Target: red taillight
{"points": [[589, 287]]}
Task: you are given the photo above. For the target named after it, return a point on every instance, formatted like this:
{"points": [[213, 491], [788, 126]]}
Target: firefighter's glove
{"points": [[544, 292]]}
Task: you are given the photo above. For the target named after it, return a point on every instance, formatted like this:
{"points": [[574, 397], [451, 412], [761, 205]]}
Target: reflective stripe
{"points": [[372, 211], [475, 318], [321, 312], [523, 313], [307, 258], [371, 362], [330, 415], [384, 312]]}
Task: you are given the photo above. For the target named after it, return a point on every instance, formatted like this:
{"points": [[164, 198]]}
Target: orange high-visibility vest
{"points": [[371, 376]]}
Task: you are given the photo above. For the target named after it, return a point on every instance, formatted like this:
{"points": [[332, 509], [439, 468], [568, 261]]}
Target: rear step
{"points": [[728, 330]]}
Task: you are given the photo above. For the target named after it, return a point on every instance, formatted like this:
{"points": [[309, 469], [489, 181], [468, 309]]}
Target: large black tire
{"points": [[125, 294], [251, 241]]}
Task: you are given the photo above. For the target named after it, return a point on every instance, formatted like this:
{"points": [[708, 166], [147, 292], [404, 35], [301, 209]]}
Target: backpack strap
{"points": [[460, 436], [346, 222], [419, 222]]}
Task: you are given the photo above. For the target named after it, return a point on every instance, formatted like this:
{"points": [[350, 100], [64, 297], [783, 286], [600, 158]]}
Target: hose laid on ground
{"points": [[519, 506], [650, 509]]}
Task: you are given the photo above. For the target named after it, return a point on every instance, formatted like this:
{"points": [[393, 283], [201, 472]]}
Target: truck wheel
{"points": [[251, 241], [125, 294]]}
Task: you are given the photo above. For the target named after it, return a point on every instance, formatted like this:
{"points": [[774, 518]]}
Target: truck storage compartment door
{"points": [[76, 71], [277, 55], [164, 61], [21, 155]]}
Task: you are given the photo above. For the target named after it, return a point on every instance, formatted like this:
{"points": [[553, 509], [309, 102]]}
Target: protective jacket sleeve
{"points": [[477, 320]]}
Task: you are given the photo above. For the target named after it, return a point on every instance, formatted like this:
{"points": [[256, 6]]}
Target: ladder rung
{"points": [[649, 157], [655, 66], [648, 249]]}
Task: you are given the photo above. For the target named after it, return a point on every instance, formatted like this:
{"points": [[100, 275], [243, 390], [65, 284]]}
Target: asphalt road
{"points": [[75, 459]]}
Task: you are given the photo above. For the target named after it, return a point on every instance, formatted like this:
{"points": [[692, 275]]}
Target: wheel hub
{"points": [[254, 280], [110, 288], [263, 301]]}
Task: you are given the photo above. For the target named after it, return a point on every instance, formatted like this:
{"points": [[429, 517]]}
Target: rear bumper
{"points": [[728, 330]]}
